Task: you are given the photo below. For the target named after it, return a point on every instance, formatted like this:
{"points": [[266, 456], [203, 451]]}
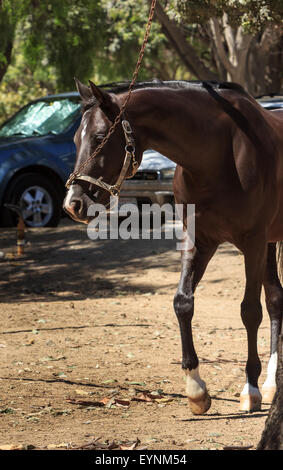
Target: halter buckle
{"points": [[114, 191], [127, 127]]}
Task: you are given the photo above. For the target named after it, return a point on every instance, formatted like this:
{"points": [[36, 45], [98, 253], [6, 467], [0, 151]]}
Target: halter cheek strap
{"points": [[114, 190], [130, 158]]}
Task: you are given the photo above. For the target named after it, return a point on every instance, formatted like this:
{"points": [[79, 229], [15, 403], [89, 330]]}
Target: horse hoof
{"points": [[200, 405], [268, 394], [250, 403]]}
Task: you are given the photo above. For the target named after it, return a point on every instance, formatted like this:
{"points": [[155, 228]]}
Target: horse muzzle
{"points": [[75, 206]]}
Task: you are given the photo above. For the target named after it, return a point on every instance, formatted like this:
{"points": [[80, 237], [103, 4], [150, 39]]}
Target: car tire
{"points": [[40, 202]]}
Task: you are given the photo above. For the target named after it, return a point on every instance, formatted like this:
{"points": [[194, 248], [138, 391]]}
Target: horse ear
{"points": [[102, 97], [83, 90]]}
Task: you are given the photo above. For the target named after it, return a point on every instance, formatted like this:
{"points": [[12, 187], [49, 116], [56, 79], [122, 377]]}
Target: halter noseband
{"points": [[114, 190]]}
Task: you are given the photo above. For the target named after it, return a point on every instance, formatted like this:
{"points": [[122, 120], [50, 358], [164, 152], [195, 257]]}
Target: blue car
{"points": [[37, 154]]}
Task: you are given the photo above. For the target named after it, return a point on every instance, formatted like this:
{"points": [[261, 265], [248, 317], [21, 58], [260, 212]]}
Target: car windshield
{"points": [[41, 118]]}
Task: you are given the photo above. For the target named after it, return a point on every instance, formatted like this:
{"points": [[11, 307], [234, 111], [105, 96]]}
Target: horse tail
{"points": [[280, 259]]}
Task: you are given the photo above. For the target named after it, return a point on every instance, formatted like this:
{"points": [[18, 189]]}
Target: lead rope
{"points": [[73, 175]]}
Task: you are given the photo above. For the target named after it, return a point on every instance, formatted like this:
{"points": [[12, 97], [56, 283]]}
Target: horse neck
{"points": [[171, 123]]}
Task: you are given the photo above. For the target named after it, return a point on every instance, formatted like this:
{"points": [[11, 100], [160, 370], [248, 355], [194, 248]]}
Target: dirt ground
{"points": [[90, 346]]}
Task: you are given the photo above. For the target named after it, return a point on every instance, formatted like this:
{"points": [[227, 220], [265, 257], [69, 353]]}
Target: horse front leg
{"points": [[255, 251], [274, 305], [193, 266]]}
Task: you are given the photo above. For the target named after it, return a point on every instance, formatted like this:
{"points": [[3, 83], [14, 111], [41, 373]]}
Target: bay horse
{"points": [[229, 156]]}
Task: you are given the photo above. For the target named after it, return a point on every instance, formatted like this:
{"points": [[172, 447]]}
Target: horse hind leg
{"points": [[255, 250], [274, 305], [194, 263]]}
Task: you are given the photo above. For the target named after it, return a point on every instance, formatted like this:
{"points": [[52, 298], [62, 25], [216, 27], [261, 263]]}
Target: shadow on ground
{"points": [[64, 264]]}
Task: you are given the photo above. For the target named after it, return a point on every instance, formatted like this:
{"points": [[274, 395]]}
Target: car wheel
{"points": [[39, 201]]}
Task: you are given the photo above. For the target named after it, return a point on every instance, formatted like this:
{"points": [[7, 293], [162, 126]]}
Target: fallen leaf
{"points": [[92, 445], [107, 402], [104, 400], [129, 446], [164, 400], [148, 397], [30, 342], [8, 447], [51, 358], [16, 447], [122, 403], [155, 396], [142, 397], [110, 402], [74, 401], [60, 374], [110, 381], [81, 392], [142, 384], [57, 446]]}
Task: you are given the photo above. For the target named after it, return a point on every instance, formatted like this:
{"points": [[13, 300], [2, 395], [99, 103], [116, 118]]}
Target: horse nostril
{"points": [[74, 207], [77, 204]]}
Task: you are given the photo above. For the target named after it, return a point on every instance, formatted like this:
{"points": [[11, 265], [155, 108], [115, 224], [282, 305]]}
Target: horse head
{"points": [[103, 160]]}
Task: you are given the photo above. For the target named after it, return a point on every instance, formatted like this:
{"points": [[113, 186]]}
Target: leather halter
{"points": [[130, 158]]}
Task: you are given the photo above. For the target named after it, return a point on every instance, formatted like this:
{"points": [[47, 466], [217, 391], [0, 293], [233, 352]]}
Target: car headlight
{"points": [[168, 173]]}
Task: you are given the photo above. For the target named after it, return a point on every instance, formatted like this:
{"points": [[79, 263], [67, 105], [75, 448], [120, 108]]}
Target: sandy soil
{"points": [[90, 346]]}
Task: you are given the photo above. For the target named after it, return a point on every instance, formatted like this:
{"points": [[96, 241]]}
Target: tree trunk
{"points": [[179, 42], [7, 35], [231, 48], [253, 61], [266, 62], [7, 53], [272, 436]]}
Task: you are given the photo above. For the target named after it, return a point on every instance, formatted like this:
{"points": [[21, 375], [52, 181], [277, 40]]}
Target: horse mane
{"points": [[123, 87], [174, 84]]}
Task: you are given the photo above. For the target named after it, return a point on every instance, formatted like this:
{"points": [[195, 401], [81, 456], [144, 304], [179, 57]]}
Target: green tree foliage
{"points": [[7, 34], [11, 91], [126, 22], [43, 45], [86, 38], [253, 15], [55, 40], [65, 34], [244, 38]]}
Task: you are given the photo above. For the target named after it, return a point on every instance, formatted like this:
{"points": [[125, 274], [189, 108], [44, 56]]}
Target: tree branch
{"points": [[214, 25], [230, 40], [7, 54]]}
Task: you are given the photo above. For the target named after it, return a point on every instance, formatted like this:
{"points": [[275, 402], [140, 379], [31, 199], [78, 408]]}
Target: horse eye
{"points": [[96, 140], [99, 138]]}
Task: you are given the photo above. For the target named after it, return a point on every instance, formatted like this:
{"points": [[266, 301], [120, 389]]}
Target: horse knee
{"points": [[251, 313], [184, 306]]}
